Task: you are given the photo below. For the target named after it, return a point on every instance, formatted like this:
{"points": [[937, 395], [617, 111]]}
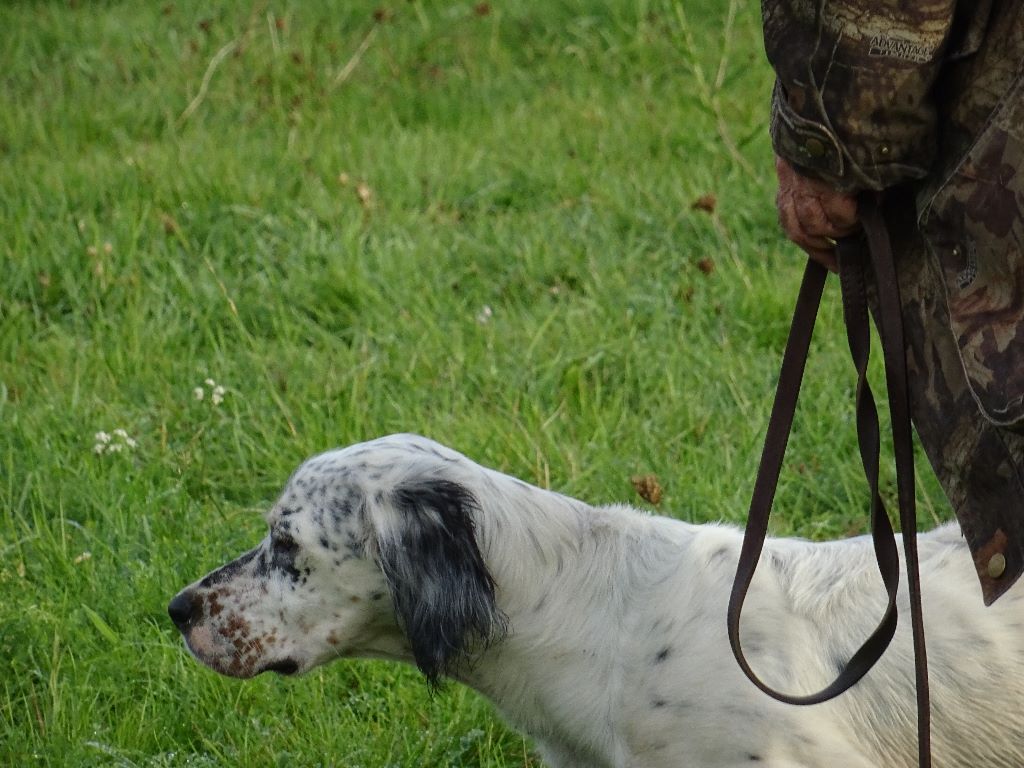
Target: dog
{"points": [[600, 631]]}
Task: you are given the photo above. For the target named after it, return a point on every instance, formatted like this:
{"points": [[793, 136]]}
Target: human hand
{"points": [[812, 214]]}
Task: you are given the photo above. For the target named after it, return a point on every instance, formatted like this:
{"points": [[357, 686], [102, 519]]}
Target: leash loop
{"points": [[854, 264]]}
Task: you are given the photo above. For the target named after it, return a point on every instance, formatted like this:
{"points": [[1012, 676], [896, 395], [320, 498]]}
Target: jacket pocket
{"points": [[975, 232]]}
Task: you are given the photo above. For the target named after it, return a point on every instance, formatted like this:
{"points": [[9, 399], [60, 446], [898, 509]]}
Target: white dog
{"points": [[600, 631]]}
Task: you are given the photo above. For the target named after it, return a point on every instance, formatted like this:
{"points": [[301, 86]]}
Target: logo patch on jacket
{"points": [[897, 48]]}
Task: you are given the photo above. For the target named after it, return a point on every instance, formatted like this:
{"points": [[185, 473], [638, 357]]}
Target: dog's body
{"points": [[600, 632]]}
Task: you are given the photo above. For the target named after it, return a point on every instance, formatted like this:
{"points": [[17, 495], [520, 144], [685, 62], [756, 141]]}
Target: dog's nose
{"points": [[180, 609]]}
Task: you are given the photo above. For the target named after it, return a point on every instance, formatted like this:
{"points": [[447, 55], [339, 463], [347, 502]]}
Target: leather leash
{"points": [[853, 278]]}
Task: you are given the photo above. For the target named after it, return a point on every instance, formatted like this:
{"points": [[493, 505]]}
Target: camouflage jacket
{"points": [[928, 96]]}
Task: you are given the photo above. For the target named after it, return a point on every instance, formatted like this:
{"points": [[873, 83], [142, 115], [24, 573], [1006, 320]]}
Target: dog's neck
{"points": [[550, 554]]}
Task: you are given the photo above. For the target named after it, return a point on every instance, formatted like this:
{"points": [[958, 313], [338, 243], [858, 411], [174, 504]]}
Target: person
{"points": [[922, 103]]}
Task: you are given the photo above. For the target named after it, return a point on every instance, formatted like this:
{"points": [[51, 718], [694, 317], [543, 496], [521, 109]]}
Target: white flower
{"points": [[217, 392], [484, 315], [113, 443]]}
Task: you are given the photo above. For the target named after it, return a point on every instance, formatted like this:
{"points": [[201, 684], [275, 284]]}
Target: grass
{"points": [[476, 222]]}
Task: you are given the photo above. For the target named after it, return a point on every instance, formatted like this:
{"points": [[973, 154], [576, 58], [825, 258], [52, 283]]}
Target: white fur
{"points": [[614, 651]]}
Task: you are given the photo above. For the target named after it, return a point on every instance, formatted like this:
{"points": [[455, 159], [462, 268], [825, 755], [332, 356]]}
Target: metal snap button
{"points": [[814, 147], [996, 565]]}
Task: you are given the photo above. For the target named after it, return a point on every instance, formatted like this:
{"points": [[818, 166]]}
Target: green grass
{"points": [[473, 222]]}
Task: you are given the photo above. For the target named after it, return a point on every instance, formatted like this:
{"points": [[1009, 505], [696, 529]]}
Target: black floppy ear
{"points": [[442, 591]]}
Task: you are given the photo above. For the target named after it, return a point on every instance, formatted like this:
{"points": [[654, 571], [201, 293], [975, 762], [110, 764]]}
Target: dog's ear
{"points": [[441, 588]]}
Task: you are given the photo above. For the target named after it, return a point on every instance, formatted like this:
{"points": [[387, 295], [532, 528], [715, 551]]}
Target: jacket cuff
{"points": [[811, 146], [806, 144]]}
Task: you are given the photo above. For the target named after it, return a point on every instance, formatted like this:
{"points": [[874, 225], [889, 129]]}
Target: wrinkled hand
{"points": [[812, 214]]}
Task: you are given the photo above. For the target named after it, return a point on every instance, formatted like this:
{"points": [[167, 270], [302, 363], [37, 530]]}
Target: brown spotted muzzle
{"points": [[186, 609]]}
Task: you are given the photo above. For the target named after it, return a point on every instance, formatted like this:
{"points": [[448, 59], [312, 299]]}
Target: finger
{"points": [[827, 258], [837, 213], [793, 218], [788, 219], [814, 217], [821, 249], [841, 213]]}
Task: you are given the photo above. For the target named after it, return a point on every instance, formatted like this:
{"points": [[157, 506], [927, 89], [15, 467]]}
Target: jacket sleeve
{"points": [[854, 96]]}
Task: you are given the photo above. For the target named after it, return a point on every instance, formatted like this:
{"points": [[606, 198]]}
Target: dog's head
{"points": [[371, 551]]}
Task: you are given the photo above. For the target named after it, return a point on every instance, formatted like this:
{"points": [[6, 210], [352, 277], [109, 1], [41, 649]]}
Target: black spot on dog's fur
{"points": [[340, 510], [441, 588], [663, 654], [283, 551]]}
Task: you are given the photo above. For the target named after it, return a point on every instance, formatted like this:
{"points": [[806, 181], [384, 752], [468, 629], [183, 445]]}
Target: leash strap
{"points": [[853, 279]]}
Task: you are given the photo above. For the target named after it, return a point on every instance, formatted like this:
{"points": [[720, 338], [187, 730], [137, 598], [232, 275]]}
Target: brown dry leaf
{"points": [[706, 203], [170, 224], [706, 265], [648, 487], [482, 9]]}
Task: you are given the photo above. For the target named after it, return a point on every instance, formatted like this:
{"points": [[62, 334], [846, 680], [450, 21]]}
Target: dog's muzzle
{"points": [[185, 609]]}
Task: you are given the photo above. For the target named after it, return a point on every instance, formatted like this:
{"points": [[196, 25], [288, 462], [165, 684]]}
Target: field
{"points": [[540, 232]]}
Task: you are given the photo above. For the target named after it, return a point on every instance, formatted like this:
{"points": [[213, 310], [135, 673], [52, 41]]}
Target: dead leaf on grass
{"points": [[706, 203], [170, 224], [648, 487]]}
